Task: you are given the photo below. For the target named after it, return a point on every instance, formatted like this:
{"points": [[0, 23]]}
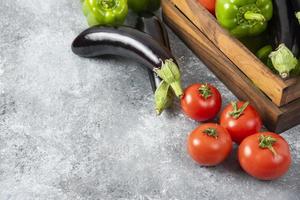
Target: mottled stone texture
{"points": [[74, 128]]}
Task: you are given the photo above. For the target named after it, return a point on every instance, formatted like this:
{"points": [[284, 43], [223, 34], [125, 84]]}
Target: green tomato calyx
{"points": [[237, 112], [212, 132], [205, 91], [267, 142]]}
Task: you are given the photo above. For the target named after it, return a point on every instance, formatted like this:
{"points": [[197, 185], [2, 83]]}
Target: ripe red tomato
{"points": [[209, 5], [201, 102], [209, 144], [241, 120], [265, 156]]}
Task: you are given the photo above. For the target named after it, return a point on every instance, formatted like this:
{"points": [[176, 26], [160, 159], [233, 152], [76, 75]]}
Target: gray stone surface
{"points": [[74, 128]]}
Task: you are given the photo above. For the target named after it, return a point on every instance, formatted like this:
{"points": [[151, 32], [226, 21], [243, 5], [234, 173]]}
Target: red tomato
{"points": [[201, 102], [209, 5], [209, 144], [265, 156], [241, 120]]}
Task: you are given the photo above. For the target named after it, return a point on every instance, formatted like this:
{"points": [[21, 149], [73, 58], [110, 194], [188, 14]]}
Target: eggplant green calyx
{"points": [[205, 91], [212, 132], [283, 60], [267, 142], [163, 97], [170, 73], [298, 16], [237, 112]]}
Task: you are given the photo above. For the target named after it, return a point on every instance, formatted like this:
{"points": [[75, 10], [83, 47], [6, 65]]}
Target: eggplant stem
{"points": [[298, 16]]}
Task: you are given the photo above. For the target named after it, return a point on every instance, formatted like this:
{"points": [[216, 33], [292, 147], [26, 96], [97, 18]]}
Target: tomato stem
{"points": [[237, 112], [212, 132], [267, 142], [205, 91]]}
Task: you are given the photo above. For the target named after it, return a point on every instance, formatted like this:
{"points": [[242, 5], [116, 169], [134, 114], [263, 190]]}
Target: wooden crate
{"points": [[277, 100]]}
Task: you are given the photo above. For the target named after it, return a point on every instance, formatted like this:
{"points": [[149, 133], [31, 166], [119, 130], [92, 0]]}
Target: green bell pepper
{"points": [[139, 6], [105, 12], [255, 43], [244, 17]]}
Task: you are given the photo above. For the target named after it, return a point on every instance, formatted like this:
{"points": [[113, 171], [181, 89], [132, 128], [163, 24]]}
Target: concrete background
{"points": [[74, 128]]}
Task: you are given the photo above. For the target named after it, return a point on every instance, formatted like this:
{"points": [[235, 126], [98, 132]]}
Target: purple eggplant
{"points": [[121, 41], [152, 25]]}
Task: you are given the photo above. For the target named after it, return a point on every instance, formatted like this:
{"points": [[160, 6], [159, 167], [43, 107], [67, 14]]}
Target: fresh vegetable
{"points": [[255, 43], [105, 12], [264, 52], [144, 5], [265, 156], [296, 24], [281, 26], [285, 38], [152, 25], [129, 42], [209, 5], [241, 120], [244, 18], [283, 60], [209, 144], [201, 102]]}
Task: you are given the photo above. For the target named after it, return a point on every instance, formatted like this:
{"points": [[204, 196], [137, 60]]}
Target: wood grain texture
{"points": [[275, 118], [279, 91]]}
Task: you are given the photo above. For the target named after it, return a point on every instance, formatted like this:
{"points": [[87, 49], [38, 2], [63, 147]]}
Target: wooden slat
{"points": [[224, 69], [272, 85], [292, 92]]}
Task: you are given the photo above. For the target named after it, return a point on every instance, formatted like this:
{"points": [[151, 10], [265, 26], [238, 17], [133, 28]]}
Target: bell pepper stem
{"points": [[108, 4], [249, 15]]}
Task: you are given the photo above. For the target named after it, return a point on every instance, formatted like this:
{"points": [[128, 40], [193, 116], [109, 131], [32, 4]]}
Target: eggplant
{"points": [[284, 39], [296, 9], [152, 25], [121, 41], [130, 43], [282, 25], [296, 5]]}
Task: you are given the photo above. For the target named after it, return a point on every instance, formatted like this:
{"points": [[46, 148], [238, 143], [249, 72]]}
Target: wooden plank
{"points": [[272, 85], [224, 69], [292, 92], [290, 116]]}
